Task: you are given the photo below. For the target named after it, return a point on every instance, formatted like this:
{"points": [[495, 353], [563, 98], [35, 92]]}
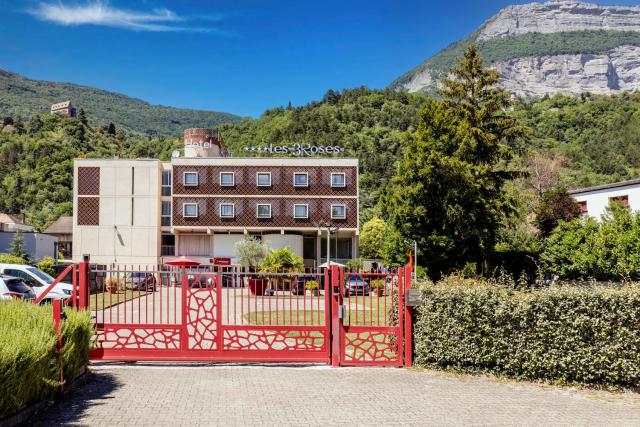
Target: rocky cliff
{"points": [[545, 48]]}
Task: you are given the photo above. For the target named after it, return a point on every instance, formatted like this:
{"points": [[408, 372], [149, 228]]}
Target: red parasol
{"points": [[182, 262]]}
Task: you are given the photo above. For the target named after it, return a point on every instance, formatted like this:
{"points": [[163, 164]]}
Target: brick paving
{"points": [[202, 394]]}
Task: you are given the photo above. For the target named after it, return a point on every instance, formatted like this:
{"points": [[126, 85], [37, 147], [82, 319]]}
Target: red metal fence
{"points": [[208, 313]]}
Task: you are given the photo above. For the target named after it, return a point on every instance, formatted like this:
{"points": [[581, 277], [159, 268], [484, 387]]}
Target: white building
{"points": [[595, 200]]}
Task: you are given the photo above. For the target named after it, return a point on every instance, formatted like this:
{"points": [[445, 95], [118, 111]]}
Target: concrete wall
{"points": [[278, 241], [598, 200], [35, 244], [130, 203]]}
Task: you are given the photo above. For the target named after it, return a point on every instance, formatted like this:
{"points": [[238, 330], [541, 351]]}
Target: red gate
{"points": [[230, 314]]}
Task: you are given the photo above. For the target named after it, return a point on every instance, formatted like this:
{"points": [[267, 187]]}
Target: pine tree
{"points": [[448, 190]]}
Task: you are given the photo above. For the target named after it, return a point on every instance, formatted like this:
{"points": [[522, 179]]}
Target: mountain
{"points": [[547, 48], [19, 95]]}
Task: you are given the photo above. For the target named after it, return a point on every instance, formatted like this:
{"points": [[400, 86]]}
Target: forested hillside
{"points": [[598, 136], [36, 161], [25, 97], [593, 139], [368, 124]]}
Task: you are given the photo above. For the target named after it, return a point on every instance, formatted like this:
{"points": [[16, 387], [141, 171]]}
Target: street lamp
{"points": [[331, 228], [415, 257]]}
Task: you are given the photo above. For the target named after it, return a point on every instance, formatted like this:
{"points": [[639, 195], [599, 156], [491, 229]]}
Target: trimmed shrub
{"points": [[47, 264], [565, 334], [11, 259], [29, 364]]}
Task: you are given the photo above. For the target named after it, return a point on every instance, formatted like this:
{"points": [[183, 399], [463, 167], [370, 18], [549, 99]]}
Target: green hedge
{"points": [[564, 334], [29, 364]]}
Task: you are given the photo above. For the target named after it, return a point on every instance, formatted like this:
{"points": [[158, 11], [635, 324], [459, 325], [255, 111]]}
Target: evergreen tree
{"points": [[17, 247], [448, 190], [82, 117], [111, 129]]}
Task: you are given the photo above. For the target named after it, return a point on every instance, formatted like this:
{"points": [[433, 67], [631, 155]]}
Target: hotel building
{"points": [[199, 205]]}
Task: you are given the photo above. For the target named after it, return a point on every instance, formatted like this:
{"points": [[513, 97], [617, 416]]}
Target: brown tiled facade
{"points": [[88, 185], [88, 211], [281, 181], [282, 214], [88, 181]]}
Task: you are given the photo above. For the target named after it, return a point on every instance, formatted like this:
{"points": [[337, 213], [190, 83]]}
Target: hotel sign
{"points": [[300, 150]]}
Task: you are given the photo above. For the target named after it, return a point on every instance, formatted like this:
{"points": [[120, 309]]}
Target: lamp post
{"points": [[414, 273], [331, 228]]}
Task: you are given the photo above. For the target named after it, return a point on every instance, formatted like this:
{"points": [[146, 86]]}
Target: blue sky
{"points": [[236, 56]]}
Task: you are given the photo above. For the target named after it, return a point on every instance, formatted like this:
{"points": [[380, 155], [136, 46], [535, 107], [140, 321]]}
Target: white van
{"points": [[38, 280]]}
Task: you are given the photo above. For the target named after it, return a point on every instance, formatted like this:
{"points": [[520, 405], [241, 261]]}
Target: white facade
{"points": [[129, 219], [595, 200]]}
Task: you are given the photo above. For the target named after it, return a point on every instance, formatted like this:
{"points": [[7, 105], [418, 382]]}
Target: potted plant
{"points": [[377, 285], [250, 253], [356, 265], [313, 286], [282, 264], [113, 284]]}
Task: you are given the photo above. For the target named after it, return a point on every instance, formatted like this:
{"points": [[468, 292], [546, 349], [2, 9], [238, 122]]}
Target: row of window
{"points": [[263, 210], [624, 200], [263, 179]]}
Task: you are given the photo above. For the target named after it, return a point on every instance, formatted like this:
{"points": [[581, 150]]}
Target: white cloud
{"points": [[100, 13]]}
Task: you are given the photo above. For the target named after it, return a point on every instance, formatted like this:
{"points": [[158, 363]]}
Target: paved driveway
{"points": [[171, 395]]}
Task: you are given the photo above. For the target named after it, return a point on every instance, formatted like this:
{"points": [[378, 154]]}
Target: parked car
{"points": [[208, 279], [15, 288], [356, 285], [38, 280], [298, 287], [141, 281]]}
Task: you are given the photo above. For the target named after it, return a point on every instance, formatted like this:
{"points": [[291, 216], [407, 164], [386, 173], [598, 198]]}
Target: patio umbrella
{"points": [[325, 264], [182, 262]]}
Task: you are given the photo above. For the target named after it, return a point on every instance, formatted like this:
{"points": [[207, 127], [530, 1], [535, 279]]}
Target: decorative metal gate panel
{"points": [[371, 308], [228, 314], [207, 314]]}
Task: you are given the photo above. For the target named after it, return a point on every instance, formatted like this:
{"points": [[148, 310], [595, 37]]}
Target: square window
{"points": [[623, 200], [301, 211], [263, 211], [583, 207], [227, 179], [338, 180], [191, 179], [190, 210], [338, 211], [227, 210], [263, 179], [300, 179]]}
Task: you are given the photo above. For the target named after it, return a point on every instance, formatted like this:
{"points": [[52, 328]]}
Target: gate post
{"points": [[408, 321], [84, 283], [184, 282], [57, 328], [336, 302]]}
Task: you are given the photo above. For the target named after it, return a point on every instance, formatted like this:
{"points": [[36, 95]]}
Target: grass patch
{"points": [[102, 300]]}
